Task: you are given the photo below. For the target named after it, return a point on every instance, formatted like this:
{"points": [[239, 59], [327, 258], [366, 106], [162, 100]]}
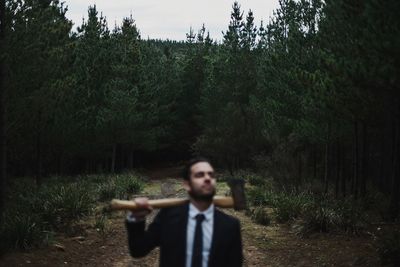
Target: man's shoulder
{"points": [[174, 211], [220, 215]]}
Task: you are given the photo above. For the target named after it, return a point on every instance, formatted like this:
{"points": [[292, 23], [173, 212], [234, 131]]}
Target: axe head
{"points": [[237, 190]]}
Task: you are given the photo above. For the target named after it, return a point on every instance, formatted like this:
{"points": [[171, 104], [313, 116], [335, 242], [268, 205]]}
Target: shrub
{"points": [[33, 214], [252, 178], [107, 190], [319, 216], [127, 185], [21, 230], [351, 215], [120, 186], [101, 224], [255, 180], [287, 206], [380, 204], [93, 178], [324, 215], [249, 177], [259, 215], [290, 206], [60, 205], [259, 196]]}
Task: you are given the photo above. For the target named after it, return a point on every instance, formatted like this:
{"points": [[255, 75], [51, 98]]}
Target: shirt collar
{"points": [[208, 213]]}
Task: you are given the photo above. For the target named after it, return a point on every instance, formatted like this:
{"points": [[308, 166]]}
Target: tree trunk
{"points": [[326, 167], [88, 166], [392, 155], [2, 113], [299, 170], [355, 182], [395, 197], [327, 151], [113, 158], [99, 166], [38, 175], [380, 180], [342, 171], [315, 162], [130, 160], [338, 172], [364, 161]]}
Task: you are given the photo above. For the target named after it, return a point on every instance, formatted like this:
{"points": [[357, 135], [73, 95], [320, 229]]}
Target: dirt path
{"points": [[274, 245]]}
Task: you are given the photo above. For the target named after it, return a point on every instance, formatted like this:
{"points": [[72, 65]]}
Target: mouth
{"points": [[207, 187], [205, 192]]}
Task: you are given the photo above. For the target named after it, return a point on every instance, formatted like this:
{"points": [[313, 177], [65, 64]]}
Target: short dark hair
{"points": [[187, 169]]}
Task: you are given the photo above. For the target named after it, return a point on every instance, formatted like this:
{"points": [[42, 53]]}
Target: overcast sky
{"points": [[171, 19]]}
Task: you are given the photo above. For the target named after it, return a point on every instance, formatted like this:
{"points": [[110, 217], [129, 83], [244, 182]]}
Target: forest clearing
{"points": [[94, 244], [303, 105]]}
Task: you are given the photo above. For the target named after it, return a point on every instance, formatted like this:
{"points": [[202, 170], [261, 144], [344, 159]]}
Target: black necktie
{"points": [[197, 255]]}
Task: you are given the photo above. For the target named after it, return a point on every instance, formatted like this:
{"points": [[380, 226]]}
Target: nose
{"points": [[207, 177]]}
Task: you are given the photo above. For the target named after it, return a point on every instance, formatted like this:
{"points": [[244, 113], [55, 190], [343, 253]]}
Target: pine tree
{"points": [[3, 158], [38, 38], [92, 72], [230, 134]]}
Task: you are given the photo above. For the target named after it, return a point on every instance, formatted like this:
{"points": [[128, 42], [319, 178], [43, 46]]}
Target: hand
{"points": [[143, 208]]}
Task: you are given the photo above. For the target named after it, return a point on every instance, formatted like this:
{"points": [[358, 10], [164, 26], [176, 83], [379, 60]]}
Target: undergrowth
{"points": [[34, 213], [315, 212]]}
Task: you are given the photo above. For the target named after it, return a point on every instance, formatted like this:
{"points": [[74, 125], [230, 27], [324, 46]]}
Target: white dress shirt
{"points": [[207, 227]]}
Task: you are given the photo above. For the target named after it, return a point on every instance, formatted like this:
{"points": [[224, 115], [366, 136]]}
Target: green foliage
{"points": [[326, 215], [254, 179], [193, 75], [352, 215], [285, 89], [21, 230], [260, 196], [320, 216], [301, 93], [315, 213], [231, 133], [128, 185], [102, 225], [56, 206], [107, 190], [251, 178], [289, 206], [120, 186], [62, 204], [37, 53], [260, 215]]}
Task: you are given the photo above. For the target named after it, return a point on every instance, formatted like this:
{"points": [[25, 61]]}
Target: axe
{"points": [[236, 201]]}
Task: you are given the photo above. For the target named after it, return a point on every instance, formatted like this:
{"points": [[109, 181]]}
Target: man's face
{"points": [[201, 185]]}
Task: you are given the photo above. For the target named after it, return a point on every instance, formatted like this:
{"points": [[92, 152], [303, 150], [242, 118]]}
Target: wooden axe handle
{"points": [[219, 201]]}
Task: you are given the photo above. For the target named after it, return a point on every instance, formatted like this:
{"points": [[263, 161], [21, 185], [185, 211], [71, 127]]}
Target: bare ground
{"points": [[274, 245]]}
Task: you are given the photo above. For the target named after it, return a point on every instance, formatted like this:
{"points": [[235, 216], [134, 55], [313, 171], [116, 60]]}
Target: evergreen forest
{"points": [[308, 100]]}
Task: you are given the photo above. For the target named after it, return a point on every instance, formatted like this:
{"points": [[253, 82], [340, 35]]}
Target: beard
{"points": [[200, 196]]}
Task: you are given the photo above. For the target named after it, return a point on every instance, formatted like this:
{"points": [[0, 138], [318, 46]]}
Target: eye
{"points": [[199, 174]]}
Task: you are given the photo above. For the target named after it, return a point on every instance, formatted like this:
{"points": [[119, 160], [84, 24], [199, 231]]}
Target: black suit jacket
{"points": [[168, 231]]}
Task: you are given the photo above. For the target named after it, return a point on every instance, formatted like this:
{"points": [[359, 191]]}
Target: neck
{"points": [[201, 205]]}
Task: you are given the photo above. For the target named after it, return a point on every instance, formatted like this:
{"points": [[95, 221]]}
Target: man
{"points": [[193, 235]]}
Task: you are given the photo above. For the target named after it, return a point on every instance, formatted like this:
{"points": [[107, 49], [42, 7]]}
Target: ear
{"points": [[186, 185]]}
